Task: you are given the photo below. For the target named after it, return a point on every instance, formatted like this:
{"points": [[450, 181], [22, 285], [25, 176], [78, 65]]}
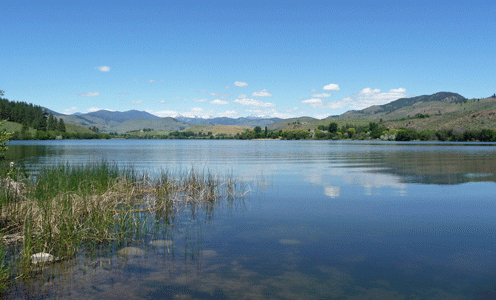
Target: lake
{"points": [[323, 220]]}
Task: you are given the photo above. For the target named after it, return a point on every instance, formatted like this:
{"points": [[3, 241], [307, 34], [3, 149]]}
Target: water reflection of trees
{"points": [[435, 166]]}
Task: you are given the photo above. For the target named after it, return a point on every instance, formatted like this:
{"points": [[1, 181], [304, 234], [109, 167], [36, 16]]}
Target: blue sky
{"points": [[235, 59]]}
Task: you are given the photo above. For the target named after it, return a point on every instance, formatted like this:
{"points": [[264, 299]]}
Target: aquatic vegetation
{"points": [[63, 209]]}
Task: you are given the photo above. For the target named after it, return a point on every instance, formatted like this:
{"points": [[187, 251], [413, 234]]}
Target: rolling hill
{"points": [[443, 110]]}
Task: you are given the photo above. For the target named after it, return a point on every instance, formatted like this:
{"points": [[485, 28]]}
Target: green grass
{"points": [[64, 209]]}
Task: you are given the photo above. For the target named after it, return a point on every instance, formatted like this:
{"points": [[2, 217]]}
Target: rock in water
{"points": [[161, 243], [131, 251], [41, 258]]}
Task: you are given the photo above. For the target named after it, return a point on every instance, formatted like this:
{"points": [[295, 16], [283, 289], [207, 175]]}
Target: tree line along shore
{"points": [[25, 121]]}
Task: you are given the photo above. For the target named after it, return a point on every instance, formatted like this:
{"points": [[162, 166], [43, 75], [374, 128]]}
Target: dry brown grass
{"points": [[61, 223]]}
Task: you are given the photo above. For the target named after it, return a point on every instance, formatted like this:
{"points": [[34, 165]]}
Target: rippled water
{"points": [[343, 220]]}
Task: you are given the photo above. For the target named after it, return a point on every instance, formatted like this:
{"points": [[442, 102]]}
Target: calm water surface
{"points": [[324, 220]]}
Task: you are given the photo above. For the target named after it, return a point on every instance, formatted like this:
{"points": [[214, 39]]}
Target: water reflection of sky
{"points": [[348, 220]]}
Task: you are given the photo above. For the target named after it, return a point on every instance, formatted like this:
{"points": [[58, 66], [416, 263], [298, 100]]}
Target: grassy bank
{"points": [[64, 209]]}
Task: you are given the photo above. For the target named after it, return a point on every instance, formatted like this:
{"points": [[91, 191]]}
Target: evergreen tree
{"points": [[52, 122], [61, 126]]}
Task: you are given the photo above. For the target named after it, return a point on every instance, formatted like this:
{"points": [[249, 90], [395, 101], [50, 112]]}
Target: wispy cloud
{"points": [[137, 102], [368, 97], [228, 114], [90, 94], [198, 112], [323, 95], [262, 93], [313, 102], [151, 80], [70, 110], [166, 113], [123, 94], [93, 109], [202, 91], [365, 98], [103, 69], [331, 87], [220, 102], [222, 95], [272, 113], [253, 102], [240, 84]]}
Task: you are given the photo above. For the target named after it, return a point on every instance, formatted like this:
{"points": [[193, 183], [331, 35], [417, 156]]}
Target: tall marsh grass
{"points": [[64, 208]]}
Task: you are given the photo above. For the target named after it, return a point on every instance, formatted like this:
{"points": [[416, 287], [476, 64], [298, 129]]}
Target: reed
{"points": [[64, 208]]}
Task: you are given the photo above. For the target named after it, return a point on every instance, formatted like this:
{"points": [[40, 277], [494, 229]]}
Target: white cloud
{"points": [[162, 80], [365, 98], [369, 91], [166, 113], [323, 95], [201, 92], [319, 103], [254, 102], [313, 90], [218, 101], [90, 94], [93, 109], [151, 80], [137, 102], [123, 94], [331, 87], [271, 113], [240, 84], [70, 110], [103, 69], [198, 112], [369, 97], [227, 87], [262, 93], [313, 102], [242, 96], [228, 114]]}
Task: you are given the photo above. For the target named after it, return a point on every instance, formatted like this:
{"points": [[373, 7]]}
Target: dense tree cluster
{"points": [[46, 126]]}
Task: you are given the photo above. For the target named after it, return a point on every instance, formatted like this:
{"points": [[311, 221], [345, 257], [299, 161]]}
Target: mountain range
{"points": [[444, 108], [121, 122]]}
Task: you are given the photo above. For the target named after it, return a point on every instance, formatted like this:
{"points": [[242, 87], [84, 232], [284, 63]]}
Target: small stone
{"points": [[41, 257], [131, 251]]}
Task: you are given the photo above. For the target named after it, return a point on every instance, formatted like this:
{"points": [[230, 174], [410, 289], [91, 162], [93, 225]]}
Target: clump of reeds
{"points": [[64, 207]]}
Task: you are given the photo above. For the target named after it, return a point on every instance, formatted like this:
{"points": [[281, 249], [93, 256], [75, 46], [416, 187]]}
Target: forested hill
{"points": [[28, 115]]}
